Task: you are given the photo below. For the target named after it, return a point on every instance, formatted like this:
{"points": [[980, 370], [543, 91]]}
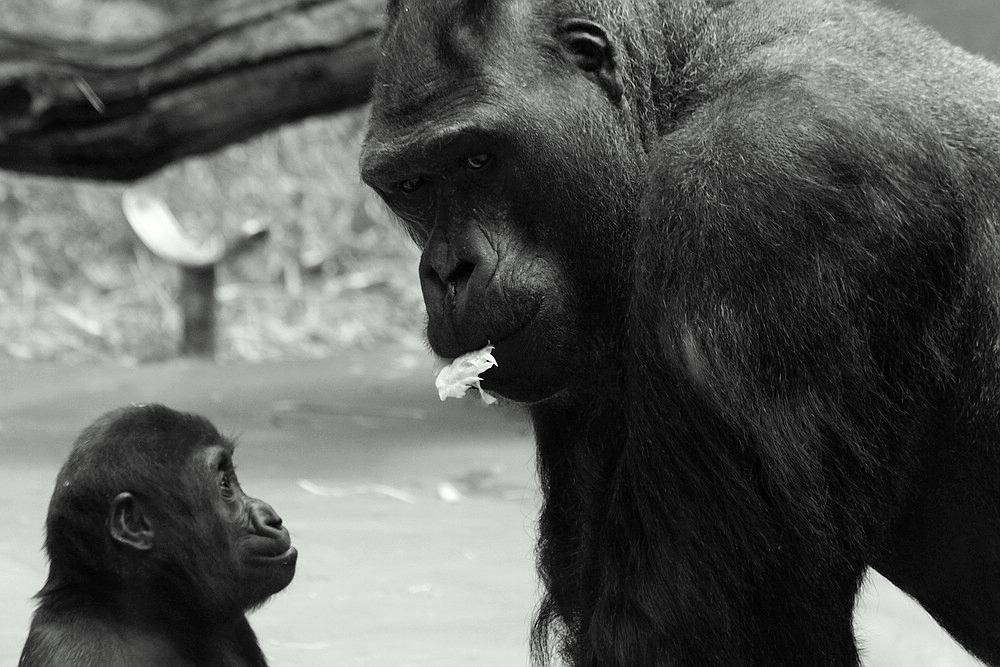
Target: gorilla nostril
{"points": [[461, 273], [458, 279], [427, 271]]}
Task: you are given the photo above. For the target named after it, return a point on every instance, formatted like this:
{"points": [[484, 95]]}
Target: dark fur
{"points": [[760, 301], [182, 602]]}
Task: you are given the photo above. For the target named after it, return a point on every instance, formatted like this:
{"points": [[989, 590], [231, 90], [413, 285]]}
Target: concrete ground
{"points": [[414, 519]]}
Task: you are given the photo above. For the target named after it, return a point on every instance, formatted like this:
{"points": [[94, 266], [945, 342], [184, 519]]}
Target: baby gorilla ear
{"points": [[129, 524]]}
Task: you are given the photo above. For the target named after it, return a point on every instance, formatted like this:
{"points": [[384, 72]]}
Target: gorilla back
{"points": [[739, 258]]}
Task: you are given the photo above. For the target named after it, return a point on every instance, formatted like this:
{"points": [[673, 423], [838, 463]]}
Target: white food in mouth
{"points": [[462, 373]]}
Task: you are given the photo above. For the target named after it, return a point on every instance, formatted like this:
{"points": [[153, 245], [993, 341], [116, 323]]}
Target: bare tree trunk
{"points": [[121, 111]]}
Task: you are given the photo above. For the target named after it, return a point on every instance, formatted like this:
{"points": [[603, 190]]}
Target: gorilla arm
{"points": [[802, 258]]}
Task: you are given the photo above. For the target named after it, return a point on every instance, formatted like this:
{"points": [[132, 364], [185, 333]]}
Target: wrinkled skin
{"points": [[738, 260], [155, 552]]}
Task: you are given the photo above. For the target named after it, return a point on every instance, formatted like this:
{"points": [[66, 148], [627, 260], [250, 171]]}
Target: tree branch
{"points": [[121, 111]]}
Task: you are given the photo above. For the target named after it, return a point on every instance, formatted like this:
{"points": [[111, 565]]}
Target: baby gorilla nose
{"points": [[265, 519]]}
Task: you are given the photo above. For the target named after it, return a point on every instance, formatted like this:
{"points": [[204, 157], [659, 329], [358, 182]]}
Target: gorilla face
{"points": [[508, 164]]}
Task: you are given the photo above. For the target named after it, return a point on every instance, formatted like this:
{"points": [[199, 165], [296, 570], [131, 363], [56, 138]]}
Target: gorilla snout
{"points": [[266, 521], [455, 275]]}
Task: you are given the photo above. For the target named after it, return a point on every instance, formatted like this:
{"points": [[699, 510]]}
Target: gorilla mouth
{"points": [[287, 558], [501, 344], [531, 361], [509, 353], [457, 337]]}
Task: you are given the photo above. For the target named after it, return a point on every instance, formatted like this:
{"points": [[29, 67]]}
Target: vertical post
{"points": [[197, 303], [197, 260]]}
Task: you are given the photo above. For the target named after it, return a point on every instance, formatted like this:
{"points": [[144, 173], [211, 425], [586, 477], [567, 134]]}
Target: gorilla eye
{"points": [[477, 160], [227, 477], [411, 185], [226, 485]]}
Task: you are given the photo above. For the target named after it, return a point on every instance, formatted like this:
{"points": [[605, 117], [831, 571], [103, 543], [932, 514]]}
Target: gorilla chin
{"points": [[527, 371]]}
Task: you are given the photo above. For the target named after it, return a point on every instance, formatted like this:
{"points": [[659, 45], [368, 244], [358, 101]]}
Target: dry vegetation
{"points": [[76, 285]]}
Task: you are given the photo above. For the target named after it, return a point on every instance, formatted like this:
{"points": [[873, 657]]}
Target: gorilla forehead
{"points": [[449, 47]]}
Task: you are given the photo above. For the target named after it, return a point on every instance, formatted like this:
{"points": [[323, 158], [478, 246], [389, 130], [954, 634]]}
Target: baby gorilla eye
{"points": [[227, 478], [477, 160]]}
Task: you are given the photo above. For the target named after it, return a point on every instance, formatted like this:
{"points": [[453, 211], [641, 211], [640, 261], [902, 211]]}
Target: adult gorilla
{"points": [[741, 260]]}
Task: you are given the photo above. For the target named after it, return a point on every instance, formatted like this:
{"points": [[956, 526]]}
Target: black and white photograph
{"points": [[500, 333]]}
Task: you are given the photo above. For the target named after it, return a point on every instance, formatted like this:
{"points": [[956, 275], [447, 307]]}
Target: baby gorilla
{"points": [[155, 552]]}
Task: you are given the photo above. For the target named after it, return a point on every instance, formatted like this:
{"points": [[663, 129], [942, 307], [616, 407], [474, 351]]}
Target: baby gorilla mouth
{"points": [[287, 557]]}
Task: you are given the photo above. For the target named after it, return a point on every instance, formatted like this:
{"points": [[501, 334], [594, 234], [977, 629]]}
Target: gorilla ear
{"points": [[592, 51], [129, 524]]}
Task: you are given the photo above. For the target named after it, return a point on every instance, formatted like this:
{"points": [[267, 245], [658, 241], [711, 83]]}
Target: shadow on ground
{"points": [[414, 519]]}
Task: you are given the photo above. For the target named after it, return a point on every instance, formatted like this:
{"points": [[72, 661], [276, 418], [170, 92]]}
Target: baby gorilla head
{"points": [[155, 551]]}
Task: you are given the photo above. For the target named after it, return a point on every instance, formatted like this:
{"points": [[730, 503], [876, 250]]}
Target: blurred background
{"points": [[77, 286], [415, 527]]}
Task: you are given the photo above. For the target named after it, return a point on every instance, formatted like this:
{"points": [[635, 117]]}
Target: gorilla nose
{"points": [[447, 280], [454, 272], [265, 519]]}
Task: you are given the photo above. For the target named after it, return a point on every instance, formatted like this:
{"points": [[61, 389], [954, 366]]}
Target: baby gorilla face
{"points": [[254, 553]]}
